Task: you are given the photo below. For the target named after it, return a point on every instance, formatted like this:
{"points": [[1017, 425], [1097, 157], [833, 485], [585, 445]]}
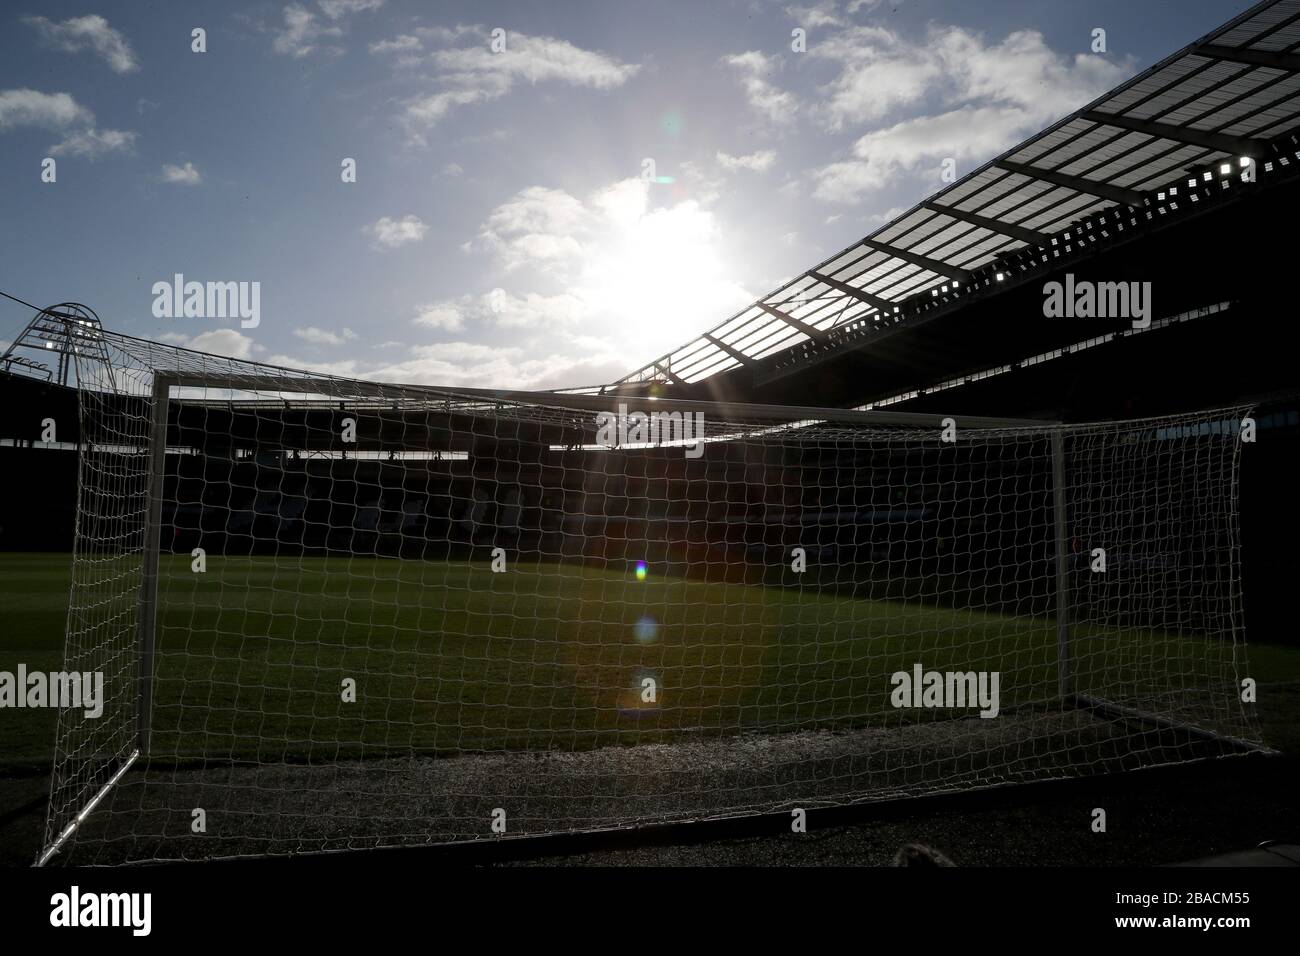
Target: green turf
{"points": [[447, 656], [451, 656], [34, 605]]}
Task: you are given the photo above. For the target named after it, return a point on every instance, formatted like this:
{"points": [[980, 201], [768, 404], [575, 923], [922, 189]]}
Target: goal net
{"points": [[335, 614]]}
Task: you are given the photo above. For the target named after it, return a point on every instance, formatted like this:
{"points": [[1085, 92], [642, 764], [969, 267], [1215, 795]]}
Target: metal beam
{"points": [[925, 262], [1290, 62], [1233, 145], [816, 334], [862, 295], [80, 818], [1114, 711], [1116, 194], [669, 373], [740, 357], [1030, 237]]}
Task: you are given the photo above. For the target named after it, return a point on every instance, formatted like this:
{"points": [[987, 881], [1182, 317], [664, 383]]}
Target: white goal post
{"points": [[338, 614]]}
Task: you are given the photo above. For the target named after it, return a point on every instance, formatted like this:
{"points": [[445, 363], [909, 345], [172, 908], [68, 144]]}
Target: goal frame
{"points": [[164, 381]]}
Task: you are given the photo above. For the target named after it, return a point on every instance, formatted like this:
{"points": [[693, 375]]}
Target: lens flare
{"points": [[646, 630], [640, 570]]}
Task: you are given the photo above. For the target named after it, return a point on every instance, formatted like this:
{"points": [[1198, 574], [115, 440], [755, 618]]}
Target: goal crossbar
{"points": [[357, 388]]}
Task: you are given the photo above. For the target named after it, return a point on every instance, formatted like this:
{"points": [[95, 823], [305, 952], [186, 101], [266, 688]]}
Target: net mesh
{"points": [[363, 615]]}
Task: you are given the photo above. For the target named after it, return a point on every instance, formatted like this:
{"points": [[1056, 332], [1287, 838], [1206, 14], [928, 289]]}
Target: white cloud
{"points": [[996, 94], [1024, 71], [769, 101], [705, 186], [88, 33], [441, 315], [440, 35], [92, 143], [889, 215], [537, 59], [302, 33], [758, 162], [227, 342], [593, 285], [536, 225], [305, 32], [475, 365], [818, 15], [849, 182], [879, 72], [975, 98], [335, 9], [389, 233], [185, 175], [403, 43], [531, 311], [318, 336], [535, 311], [428, 111], [639, 278], [475, 74], [24, 107]]}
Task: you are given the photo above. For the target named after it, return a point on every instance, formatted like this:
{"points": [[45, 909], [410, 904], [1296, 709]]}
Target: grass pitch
{"points": [[448, 657], [765, 696]]}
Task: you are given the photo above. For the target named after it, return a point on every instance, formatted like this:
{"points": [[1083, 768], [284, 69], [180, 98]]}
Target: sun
{"points": [[660, 275]]}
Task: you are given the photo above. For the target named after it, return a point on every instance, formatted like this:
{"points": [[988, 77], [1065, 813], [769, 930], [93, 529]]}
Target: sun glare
{"points": [[663, 276]]}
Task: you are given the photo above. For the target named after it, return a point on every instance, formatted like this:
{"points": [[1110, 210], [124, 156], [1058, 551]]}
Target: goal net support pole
{"points": [[159, 410], [1061, 534]]}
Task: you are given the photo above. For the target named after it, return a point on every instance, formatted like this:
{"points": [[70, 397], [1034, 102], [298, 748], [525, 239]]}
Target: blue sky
{"points": [[502, 230]]}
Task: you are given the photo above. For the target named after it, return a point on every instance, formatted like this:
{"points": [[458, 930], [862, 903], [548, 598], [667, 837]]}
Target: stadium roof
{"points": [[1228, 96]]}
